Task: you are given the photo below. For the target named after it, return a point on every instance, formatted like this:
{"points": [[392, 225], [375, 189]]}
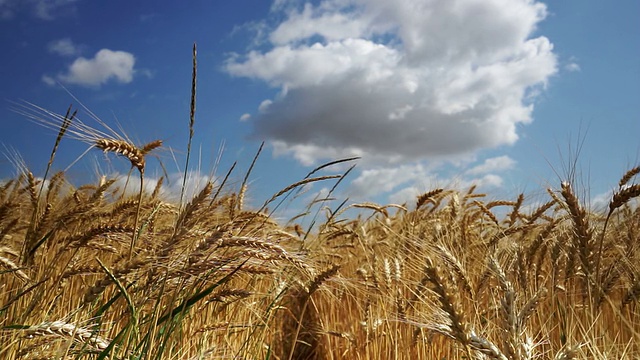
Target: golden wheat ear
{"points": [[628, 176], [121, 147]]}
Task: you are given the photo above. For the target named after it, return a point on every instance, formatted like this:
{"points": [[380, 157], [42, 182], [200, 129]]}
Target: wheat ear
{"points": [[628, 175], [448, 302], [582, 230], [422, 199], [124, 148], [68, 330]]}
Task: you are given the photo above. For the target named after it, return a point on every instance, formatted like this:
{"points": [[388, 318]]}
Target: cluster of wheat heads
{"points": [[453, 279], [211, 284]]}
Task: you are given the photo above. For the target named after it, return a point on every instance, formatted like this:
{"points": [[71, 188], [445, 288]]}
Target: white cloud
{"points": [[397, 183], [149, 74], [383, 180], [103, 67], [572, 67], [63, 47], [308, 154], [171, 187], [572, 64], [245, 117], [279, 4], [332, 25], [402, 183], [600, 202], [486, 181], [264, 105], [407, 195], [398, 81], [499, 163], [48, 80]]}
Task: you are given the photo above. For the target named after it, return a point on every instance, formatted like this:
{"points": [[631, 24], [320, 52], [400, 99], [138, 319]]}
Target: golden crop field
{"points": [[95, 272]]}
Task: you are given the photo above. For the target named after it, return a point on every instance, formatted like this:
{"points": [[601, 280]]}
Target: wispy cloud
{"points": [[63, 47], [42, 9], [572, 67], [6, 10], [572, 64], [49, 9]]}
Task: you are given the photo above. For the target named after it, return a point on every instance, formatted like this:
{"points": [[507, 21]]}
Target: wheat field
{"points": [[98, 272]]}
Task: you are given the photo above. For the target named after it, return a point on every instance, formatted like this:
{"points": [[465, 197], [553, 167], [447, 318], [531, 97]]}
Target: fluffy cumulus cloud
{"points": [[416, 87], [398, 80], [103, 67]]}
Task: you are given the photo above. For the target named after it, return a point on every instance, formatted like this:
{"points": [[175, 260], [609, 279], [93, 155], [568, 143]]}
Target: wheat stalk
{"points": [[300, 183]]}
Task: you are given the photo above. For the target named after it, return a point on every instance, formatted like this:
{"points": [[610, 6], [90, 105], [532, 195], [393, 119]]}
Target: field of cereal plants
{"points": [[97, 272]]}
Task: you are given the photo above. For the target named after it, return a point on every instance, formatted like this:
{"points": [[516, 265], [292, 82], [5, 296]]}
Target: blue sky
{"points": [[428, 93]]}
